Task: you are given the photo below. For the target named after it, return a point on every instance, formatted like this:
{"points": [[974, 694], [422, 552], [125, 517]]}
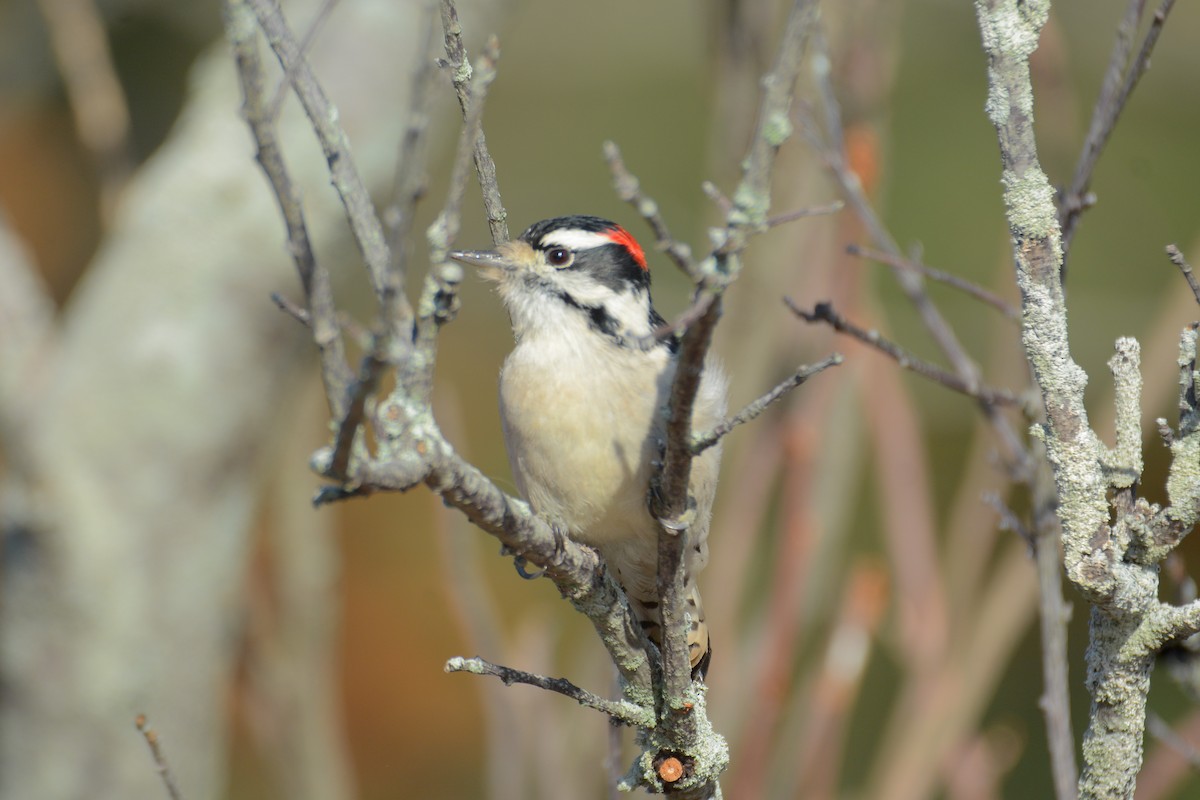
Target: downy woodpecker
{"points": [[583, 403]]}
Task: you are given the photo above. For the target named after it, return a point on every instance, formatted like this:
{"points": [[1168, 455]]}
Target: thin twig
{"points": [[439, 298], [1178, 260], [310, 35], [410, 181], [689, 315], [160, 760], [291, 308], [370, 371], [802, 213], [445, 229], [320, 313], [1109, 105], [963, 285], [620, 710], [717, 196], [824, 312], [485, 167], [831, 146], [360, 211], [702, 442], [1008, 519], [629, 189], [1054, 615]]}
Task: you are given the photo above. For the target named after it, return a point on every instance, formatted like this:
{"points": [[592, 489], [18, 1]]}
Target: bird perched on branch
{"points": [[583, 403]]}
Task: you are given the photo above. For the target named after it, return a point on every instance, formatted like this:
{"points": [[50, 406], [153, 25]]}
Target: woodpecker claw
{"points": [[519, 562]]}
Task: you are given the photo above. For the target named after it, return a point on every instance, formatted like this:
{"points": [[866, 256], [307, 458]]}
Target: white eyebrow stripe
{"points": [[575, 239]]}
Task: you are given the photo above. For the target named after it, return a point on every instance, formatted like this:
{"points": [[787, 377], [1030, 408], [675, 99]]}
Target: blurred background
{"points": [[875, 633]]}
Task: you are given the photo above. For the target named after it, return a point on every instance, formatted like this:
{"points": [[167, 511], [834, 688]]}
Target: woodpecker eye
{"points": [[559, 256]]}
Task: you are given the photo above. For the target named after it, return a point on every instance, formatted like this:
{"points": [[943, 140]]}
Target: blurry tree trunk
{"points": [[134, 444]]}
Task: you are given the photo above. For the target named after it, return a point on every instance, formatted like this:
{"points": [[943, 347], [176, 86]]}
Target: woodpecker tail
{"points": [[699, 644], [699, 647]]}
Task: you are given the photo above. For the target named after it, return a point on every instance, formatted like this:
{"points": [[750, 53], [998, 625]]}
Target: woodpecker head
{"points": [[572, 268]]}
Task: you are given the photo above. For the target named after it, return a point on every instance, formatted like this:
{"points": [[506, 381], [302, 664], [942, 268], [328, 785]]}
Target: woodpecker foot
{"points": [[560, 540], [520, 563]]}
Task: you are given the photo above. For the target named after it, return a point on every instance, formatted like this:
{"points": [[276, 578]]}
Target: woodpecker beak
{"points": [[486, 259], [493, 265]]}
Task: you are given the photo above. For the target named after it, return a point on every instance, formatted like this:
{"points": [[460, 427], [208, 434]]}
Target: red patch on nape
{"points": [[620, 236]]}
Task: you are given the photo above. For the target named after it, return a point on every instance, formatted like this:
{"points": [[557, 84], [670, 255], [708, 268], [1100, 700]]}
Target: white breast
{"points": [[581, 422]]}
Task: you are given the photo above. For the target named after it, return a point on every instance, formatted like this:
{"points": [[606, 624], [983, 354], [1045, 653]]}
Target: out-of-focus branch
{"points": [[1159, 729], [411, 165], [963, 285], [160, 759], [828, 139], [320, 310], [1119, 82], [824, 312], [365, 224], [279, 94], [98, 102], [629, 189]]}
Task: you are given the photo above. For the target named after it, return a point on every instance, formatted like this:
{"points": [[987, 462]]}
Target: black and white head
{"points": [[569, 268]]}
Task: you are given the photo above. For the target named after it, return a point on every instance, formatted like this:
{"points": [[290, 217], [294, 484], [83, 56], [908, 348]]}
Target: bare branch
{"points": [[824, 312], [1178, 260], [900, 262], [160, 760], [670, 503], [360, 211], [620, 710], [461, 74], [310, 35], [410, 182], [574, 568], [803, 213], [1114, 95], [751, 203], [320, 314], [690, 315], [703, 441], [373, 366], [1008, 519], [629, 189], [445, 229], [1124, 462], [717, 196], [829, 141], [291, 308], [831, 146]]}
